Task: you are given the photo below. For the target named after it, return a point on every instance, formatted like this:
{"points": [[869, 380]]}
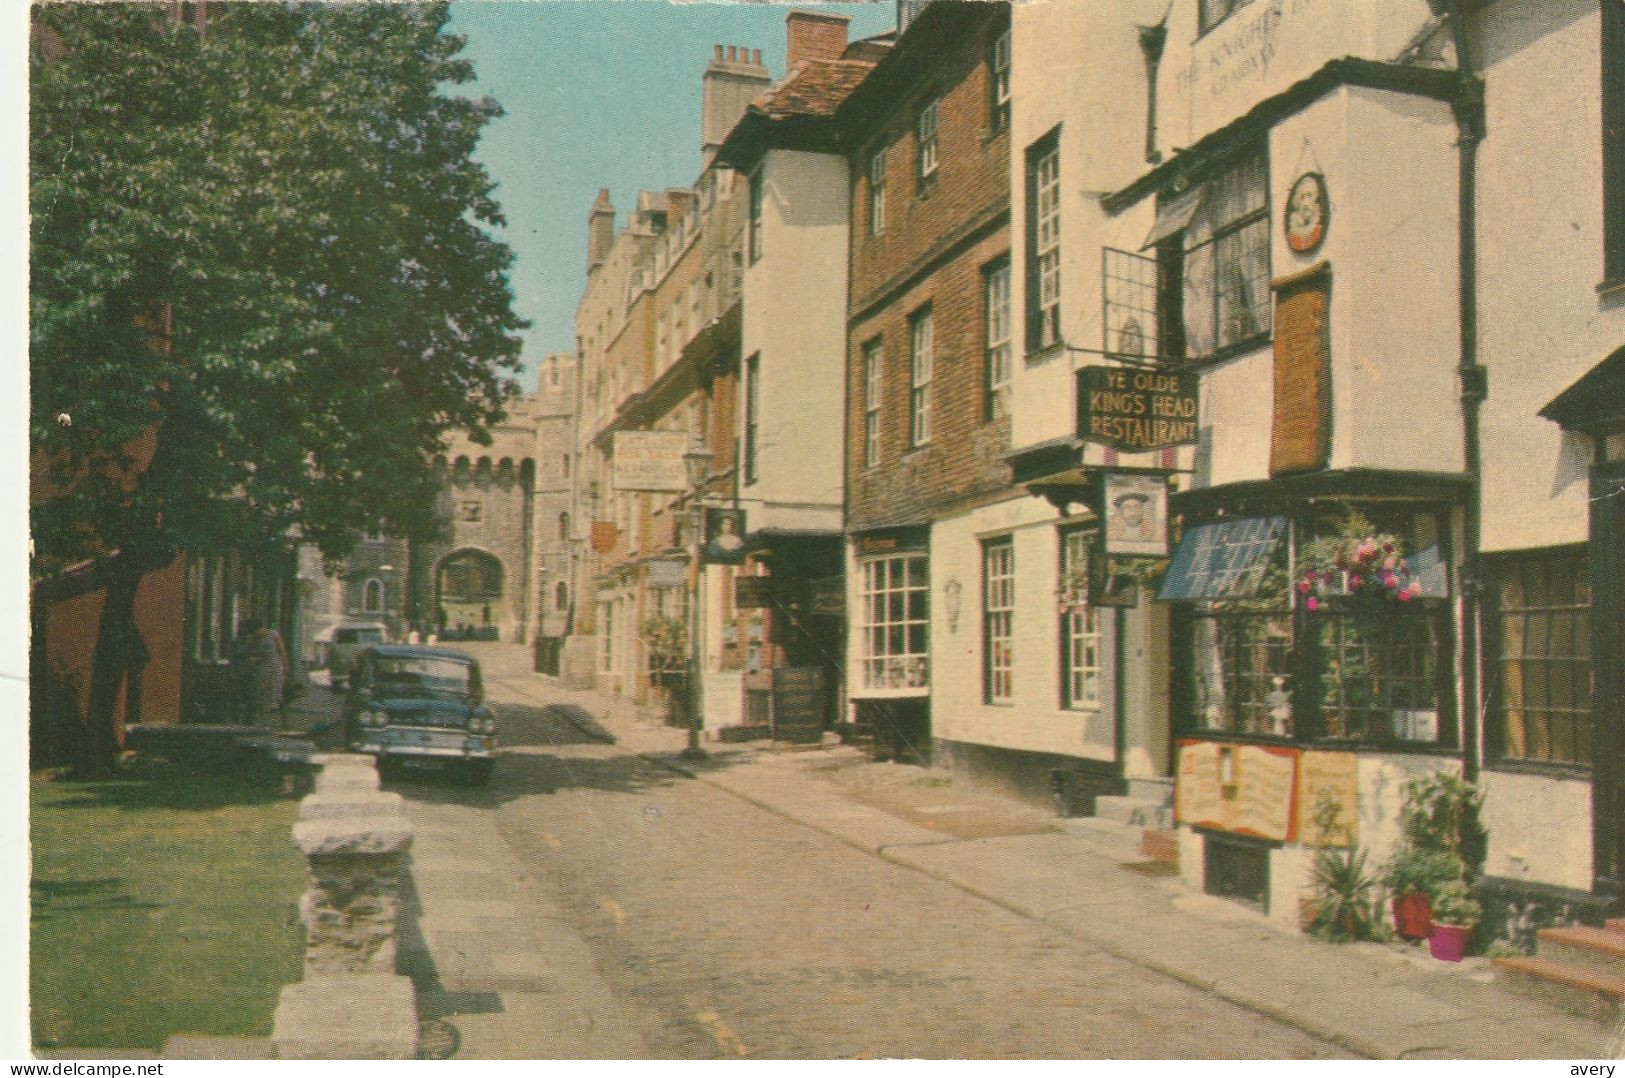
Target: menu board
{"points": [[1333, 775], [1247, 789], [1264, 789], [1196, 790]]}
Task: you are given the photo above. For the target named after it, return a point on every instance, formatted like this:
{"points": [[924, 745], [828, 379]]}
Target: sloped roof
{"points": [[814, 88]]}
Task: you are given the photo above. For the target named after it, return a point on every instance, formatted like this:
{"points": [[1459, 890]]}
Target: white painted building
{"points": [[1379, 278]]}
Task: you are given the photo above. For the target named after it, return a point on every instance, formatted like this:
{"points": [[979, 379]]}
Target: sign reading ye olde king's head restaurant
{"points": [[1136, 411]]}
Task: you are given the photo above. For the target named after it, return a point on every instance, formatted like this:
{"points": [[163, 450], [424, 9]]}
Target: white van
{"points": [[349, 638]]}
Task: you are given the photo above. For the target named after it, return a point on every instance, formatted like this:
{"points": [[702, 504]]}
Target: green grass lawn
{"points": [[160, 906]]}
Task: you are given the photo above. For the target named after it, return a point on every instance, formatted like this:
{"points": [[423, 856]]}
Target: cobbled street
{"points": [[724, 930]]}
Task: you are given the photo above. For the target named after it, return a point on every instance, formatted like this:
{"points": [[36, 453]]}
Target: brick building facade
{"points": [[927, 146]]}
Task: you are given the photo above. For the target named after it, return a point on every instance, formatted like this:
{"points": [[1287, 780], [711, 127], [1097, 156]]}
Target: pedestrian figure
{"points": [[264, 674]]}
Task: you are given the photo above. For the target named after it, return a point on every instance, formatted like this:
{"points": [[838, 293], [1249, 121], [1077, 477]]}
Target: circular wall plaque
{"points": [[1307, 212]]}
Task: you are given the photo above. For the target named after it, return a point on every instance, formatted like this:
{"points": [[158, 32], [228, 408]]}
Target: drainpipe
{"points": [[1469, 110]]}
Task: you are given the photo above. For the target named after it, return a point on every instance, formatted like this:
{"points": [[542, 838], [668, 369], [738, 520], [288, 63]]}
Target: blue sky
{"points": [[598, 93]]}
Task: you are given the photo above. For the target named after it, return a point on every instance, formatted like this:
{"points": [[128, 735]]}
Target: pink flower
{"points": [[1354, 583], [1415, 588], [1387, 548], [1304, 586], [1312, 604], [1404, 596], [1389, 580]]}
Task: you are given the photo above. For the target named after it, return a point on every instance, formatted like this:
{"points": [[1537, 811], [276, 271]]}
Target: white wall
{"points": [[1542, 324], [1395, 294], [1540, 828], [1033, 720], [1076, 64], [1208, 80], [795, 317]]}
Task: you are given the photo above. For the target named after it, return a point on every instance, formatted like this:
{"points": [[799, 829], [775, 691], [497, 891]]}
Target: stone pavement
{"points": [[485, 948], [1373, 1000]]}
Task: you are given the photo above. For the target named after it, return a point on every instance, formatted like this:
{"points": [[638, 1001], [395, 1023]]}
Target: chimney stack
{"points": [[814, 35], [734, 78], [600, 230]]}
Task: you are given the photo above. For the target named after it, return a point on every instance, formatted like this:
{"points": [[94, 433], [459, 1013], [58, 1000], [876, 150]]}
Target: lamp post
{"points": [[698, 462]]}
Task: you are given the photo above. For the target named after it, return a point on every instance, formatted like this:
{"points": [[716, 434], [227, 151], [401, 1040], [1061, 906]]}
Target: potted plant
{"points": [[1455, 915], [1340, 907], [1442, 812], [1411, 876], [1344, 893]]}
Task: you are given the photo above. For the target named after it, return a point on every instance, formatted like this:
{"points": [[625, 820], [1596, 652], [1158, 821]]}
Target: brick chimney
{"points": [[600, 230], [814, 35], [733, 80]]}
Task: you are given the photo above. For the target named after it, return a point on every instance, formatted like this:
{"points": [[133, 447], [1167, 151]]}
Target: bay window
{"points": [[1317, 627]]}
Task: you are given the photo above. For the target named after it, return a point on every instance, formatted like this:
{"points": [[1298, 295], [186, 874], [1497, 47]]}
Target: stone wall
{"points": [[357, 842]]}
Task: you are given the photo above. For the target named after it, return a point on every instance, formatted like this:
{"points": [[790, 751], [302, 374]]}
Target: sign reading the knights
{"points": [[651, 460], [1136, 411]]}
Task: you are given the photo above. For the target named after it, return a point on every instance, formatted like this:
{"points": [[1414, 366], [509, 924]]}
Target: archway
{"points": [[470, 602]]}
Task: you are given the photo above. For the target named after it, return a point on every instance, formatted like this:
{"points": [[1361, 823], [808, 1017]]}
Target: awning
{"points": [[1226, 559], [1594, 404], [1174, 215]]}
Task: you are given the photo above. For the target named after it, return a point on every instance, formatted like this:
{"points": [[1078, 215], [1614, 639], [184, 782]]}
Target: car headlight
{"points": [[375, 718], [482, 724]]}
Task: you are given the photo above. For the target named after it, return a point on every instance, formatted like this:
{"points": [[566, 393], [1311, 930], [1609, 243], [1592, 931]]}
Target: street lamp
{"points": [[698, 462]]}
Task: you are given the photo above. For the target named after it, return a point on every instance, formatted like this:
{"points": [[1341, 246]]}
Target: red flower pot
{"points": [[1449, 942], [1413, 915]]}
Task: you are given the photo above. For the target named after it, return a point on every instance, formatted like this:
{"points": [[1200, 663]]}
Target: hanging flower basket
{"points": [[1358, 567]]}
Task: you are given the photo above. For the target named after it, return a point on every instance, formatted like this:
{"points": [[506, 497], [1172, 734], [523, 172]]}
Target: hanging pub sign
{"points": [[1134, 506], [1137, 411], [650, 460]]}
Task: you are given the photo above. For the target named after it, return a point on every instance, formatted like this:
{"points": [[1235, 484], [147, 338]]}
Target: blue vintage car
{"points": [[420, 707]]}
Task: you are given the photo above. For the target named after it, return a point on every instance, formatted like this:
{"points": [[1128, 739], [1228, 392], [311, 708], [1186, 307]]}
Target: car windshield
{"points": [[421, 675], [359, 636]]}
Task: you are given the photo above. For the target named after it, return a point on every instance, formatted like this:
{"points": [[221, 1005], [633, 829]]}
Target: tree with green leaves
{"points": [[265, 241]]}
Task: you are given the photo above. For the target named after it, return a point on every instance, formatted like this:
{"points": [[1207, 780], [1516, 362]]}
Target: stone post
{"points": [[356, 841]]}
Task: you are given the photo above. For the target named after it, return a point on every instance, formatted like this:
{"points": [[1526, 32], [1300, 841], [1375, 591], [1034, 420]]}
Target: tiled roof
{"points": [[815, 88]]}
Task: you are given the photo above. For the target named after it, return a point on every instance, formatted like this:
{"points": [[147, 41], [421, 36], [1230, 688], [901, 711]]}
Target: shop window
{"points": [[1268, 650], [873, 361], [998, 620], [561, 596], [1044, 242], [998, 345], [1080, 625], [1213, 254], [372, 596], [925, 139], [877, 192], [1540, 692], [998, 66], [921, 334], [1213, 12], [893, 607]]}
